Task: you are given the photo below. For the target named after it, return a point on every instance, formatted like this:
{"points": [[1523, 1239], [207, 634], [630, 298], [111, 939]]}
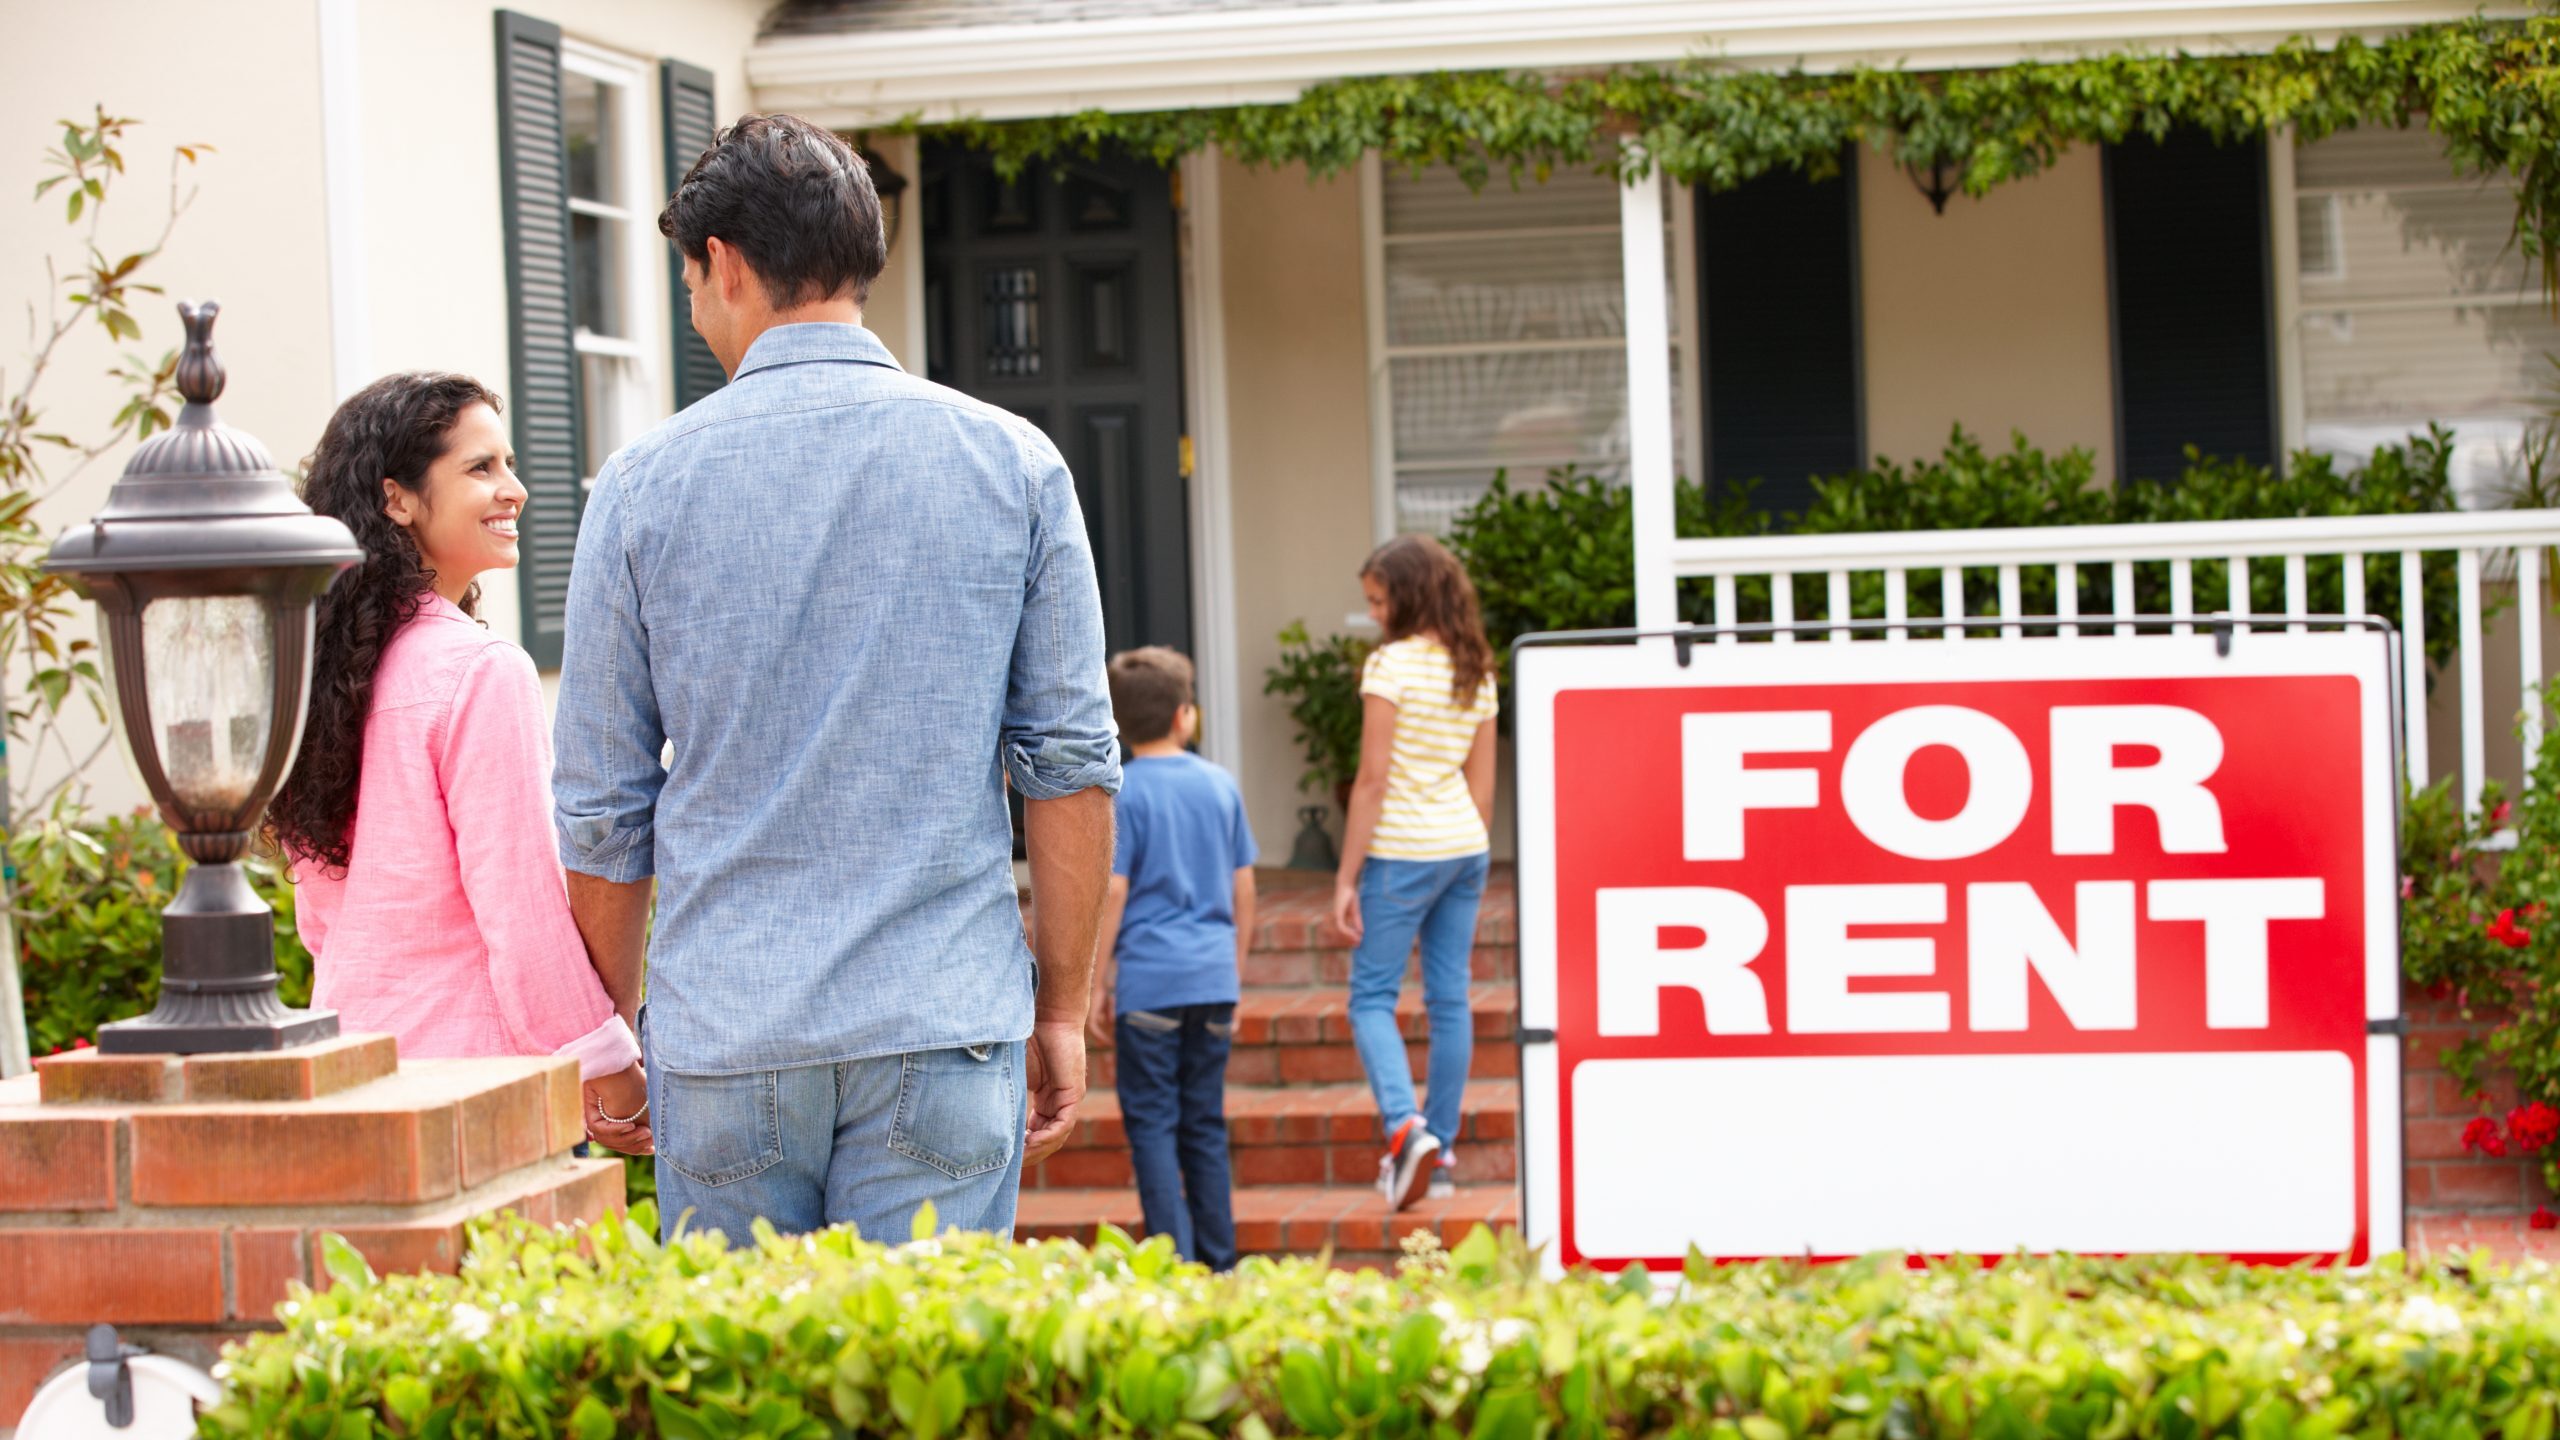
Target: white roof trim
{"points": [[1259, 56]]}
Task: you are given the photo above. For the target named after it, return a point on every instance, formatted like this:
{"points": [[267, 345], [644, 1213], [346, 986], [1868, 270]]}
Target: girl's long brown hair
{"points": [[1428, 593]]}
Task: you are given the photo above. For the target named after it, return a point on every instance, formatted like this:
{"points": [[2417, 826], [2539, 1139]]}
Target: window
{"points": [[604, 107], [2411, 303], [1497, 321]]}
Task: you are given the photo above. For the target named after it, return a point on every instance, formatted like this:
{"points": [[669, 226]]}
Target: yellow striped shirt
{"points": [[1428, 813]]}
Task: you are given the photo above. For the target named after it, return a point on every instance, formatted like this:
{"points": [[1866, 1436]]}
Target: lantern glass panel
{"points": [[209, 670]]}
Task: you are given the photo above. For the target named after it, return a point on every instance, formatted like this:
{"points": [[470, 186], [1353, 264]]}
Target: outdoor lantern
{"points": [[889, 185], [205, 566]]}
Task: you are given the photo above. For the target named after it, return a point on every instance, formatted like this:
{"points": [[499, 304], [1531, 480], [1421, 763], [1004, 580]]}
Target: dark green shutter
{"points": [[685, 104], [542, 389], [2187, 265], [1778, 281]]}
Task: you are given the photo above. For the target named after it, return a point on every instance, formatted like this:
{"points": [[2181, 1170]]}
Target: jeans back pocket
{"points": [[959, 1110], [719, 1129]]}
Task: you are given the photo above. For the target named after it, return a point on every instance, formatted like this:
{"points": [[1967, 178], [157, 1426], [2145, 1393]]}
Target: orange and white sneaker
{"points": [[1406, 1169]]}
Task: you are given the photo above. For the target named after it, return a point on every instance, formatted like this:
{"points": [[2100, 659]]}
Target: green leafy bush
{"points": [[89, 896], [605, 1332], [1321, 679]]}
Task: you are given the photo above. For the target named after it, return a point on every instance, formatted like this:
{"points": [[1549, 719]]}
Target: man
{"points": [[847, 604]]}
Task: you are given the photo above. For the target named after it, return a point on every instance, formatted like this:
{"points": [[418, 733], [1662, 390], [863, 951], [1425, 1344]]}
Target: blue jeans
{"points": [[1173, 1102], [866, 1141], [1399, 900]]}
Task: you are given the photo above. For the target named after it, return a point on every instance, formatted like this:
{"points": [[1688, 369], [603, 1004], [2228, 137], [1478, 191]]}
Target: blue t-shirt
{"points": [[1182, 835]]}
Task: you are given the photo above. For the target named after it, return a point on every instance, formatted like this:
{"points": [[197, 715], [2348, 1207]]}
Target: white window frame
{"points": [[2285, 192], [627, 80], [1681, 234]]}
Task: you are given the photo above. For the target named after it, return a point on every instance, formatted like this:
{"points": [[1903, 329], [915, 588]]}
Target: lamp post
{"points": [[205, 566]]}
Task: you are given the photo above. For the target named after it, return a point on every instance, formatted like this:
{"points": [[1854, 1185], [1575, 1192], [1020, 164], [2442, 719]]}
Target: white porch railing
{"points": [[2117, 562]]}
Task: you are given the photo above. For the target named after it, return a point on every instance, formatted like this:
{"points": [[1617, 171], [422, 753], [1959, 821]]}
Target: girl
{"points": [[1415, 847], [417, 818]]}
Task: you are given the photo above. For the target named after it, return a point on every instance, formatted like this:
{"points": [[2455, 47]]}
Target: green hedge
{"points": [[605, 1333]]}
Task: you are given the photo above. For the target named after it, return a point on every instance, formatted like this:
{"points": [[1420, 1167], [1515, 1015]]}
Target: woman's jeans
{"points": [[1400, 900]]}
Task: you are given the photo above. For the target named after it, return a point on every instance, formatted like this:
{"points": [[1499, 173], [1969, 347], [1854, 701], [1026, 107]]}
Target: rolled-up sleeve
{"points": [[607, 731], [1058, 737]]}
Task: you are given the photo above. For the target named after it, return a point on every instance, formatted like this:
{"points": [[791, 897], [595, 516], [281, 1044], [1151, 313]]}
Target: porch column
{"points": [[1648, 399]]}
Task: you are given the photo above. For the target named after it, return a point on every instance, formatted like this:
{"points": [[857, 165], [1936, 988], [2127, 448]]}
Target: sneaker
{"points": [[1405, 1170], [1444, 1179]]}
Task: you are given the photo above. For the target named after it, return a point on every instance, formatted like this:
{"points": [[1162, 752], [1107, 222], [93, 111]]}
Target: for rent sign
{"points": [[2042, 944]]}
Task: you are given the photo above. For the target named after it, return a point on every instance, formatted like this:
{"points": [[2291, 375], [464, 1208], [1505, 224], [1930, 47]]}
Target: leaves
{"points": [[551, 1333]]}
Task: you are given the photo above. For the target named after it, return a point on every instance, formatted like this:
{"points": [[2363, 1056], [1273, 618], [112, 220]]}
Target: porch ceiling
{"points": [[863, 62]]}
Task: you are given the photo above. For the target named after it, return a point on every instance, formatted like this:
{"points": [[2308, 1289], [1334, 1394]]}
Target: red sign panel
{"points": [[1972, 947]]}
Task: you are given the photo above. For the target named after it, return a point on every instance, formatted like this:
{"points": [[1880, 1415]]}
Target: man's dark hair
{"points": [[794, 200], [1147, 686]]}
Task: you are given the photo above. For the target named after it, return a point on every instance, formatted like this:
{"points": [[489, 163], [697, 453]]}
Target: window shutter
{"points": [[2187, 262], [533, 180], [689, 118], [1778, 277]]}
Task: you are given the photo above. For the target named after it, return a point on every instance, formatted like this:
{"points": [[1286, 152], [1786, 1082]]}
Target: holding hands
{"points": [[617, 1112]]}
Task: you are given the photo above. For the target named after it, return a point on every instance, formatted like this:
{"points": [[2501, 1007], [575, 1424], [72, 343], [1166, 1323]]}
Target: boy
{"points": [[1174, 929]]}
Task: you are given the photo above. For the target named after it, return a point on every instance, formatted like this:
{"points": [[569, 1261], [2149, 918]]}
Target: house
{"points": [[1257, 372]]}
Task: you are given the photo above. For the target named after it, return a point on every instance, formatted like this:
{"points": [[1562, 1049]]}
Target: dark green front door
{"points": [[1055, 295]]}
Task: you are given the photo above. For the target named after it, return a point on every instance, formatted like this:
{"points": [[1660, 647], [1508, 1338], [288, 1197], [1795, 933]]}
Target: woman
{"points": [[418, 815], [1415, 847]]}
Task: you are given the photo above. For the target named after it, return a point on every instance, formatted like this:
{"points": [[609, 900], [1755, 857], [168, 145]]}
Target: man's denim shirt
{"points": [[855, 601]]}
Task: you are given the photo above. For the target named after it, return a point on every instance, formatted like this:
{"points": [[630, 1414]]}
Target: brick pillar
{"points": [[2462, 1199], [176, 1197]]}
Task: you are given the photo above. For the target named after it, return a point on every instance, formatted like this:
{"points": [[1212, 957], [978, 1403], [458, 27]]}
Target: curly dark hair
{"points": [[1428, 593], [395, 427]]}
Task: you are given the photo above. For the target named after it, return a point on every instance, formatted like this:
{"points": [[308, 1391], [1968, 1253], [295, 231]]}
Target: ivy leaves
{"points": [[2491, 88]]}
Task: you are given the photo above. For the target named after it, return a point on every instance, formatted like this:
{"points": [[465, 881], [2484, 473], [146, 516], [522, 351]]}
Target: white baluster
{"points": [[2066, 595], [2353, 573], [1724, 610], [1782, 604], [2413, 664], [1897, 604], [2239, 591], [2120, 597], [1836, 606], [2297, 591], [2529, 651], [2182, 594], [2009, 603], [2466, 571], [1951, 599]]}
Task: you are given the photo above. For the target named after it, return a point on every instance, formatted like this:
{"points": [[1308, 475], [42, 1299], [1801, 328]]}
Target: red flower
{"points": [[2507, 932], [2543, 1219], [2499, 815], [2408, 886], [2533, 1126], [79, 1044], [2482, 1135]]}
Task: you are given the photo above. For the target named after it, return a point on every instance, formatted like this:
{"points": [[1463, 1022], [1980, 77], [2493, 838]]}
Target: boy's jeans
{"points": [[1173, 1102], [867, 1141], [1399, 899]]}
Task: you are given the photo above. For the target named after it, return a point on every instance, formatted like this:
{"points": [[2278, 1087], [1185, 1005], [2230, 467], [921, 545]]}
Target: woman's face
{"points": [[464, 517], [1375, 592]]}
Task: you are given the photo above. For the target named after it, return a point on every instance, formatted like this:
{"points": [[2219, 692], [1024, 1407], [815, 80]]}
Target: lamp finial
{"points": [[199, 372]]}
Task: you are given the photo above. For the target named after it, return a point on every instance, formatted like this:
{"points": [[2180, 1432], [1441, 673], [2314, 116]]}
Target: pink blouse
{"points": [[450, 928]]}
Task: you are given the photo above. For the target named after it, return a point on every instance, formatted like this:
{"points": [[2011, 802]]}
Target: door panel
{"points": [[1054, 295]]}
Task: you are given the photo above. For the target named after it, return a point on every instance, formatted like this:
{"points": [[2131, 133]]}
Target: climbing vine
{"points": [[2490, 88]]}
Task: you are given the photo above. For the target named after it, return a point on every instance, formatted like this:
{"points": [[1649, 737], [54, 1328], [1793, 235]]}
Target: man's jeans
{"points": [[867, 1141], [1173, 1102], [1400, 899]]}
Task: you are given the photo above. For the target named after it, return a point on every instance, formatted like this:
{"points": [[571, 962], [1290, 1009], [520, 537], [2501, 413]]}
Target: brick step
{"points": [[1274, 968], [1293, 909], [1303, 1037], [1302, 1220], [1292, 1135]]}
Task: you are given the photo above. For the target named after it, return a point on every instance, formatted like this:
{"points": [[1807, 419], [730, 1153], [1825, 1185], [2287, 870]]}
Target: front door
{"points": [[1054, 294]]}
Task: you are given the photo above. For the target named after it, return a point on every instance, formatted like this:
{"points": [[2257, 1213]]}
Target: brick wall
{"points": [[177, 1199], [2460, 1199]]}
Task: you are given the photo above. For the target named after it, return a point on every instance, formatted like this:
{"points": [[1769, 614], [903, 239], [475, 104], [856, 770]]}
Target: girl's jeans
{"points": [[1400, 900]]}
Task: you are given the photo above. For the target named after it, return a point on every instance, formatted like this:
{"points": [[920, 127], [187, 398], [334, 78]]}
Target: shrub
{"points": [[89, 896], [605, 1332], [1322, 680]]}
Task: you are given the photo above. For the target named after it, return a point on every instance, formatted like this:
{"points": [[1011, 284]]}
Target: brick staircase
{"points": [[1300, 1124]]}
